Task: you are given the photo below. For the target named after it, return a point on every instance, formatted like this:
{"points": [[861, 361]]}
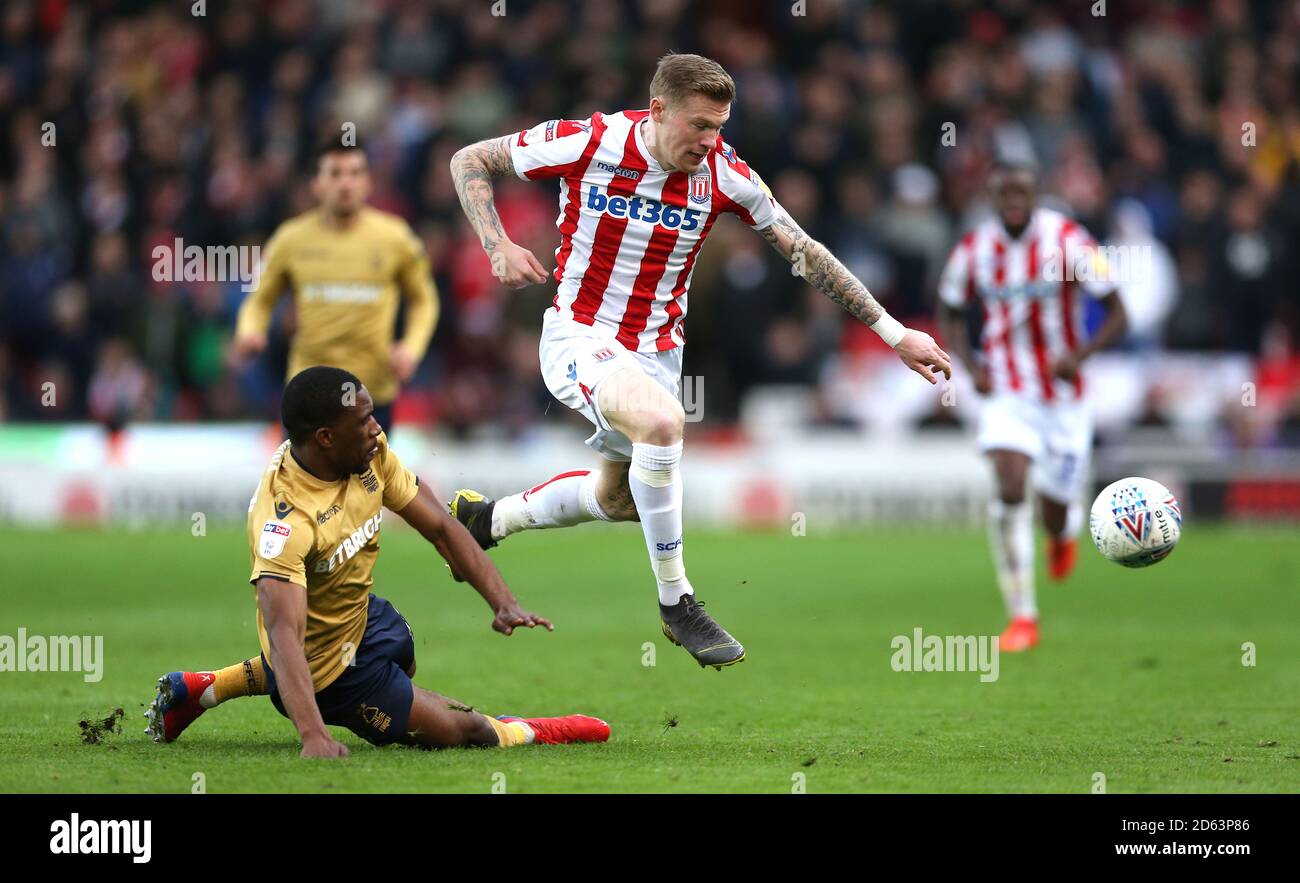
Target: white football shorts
{"points": [[577, 358], [1057, 436]]}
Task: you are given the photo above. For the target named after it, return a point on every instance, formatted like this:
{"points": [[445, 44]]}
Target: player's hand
{"points": [[512, 616], [1066, 367], [246, 345], [323, 745], [515, 265], [920, 353], [403, 362], [983, 380]]}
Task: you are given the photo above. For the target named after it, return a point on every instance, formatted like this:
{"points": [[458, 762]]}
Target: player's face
{"points": [[342, 182], [355, 437], [1014, 192], [686, 132]]}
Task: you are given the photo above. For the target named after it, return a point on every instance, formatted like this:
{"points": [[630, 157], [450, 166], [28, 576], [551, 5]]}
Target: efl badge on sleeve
{"points": [[274, 535], [700, 188]]}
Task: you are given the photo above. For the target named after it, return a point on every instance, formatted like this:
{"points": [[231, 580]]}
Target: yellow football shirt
{"points": [[324, 536], [345, 287]]}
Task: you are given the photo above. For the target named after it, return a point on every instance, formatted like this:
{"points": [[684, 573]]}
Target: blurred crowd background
{"points": [[1163, 124]]}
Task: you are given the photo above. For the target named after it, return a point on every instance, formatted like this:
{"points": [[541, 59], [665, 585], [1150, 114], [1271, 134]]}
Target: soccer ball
{"points": [[1136, 522]]}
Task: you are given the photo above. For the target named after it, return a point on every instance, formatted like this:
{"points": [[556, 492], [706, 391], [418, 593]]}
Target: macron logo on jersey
{"points": [[619, 170], [645, 209]]}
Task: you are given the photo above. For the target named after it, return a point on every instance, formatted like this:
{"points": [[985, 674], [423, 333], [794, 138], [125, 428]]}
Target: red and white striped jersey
{"points": [[1029, 287], [629, 230]]}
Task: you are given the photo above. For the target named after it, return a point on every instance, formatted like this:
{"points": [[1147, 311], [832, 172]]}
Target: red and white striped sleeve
{"points": [[956, 282], [550, 149], [742, 190]]}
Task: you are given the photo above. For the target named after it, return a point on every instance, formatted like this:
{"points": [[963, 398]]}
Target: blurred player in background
{"points": [[640, 190], [332, 652], [1028, 270], [345, 263]]}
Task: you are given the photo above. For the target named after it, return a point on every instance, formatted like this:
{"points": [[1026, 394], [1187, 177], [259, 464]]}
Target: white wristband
{"points": [[891, 330]]}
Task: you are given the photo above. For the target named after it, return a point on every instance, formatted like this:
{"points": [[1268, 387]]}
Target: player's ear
{"points": [[325, 437]]}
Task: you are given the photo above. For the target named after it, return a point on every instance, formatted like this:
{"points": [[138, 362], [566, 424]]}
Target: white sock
{"points": [[208, 698], [568, 498], [1011, 536], [657, 491]]}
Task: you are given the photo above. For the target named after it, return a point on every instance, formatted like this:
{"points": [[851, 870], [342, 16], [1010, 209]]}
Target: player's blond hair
{"points": [[679, 76]]}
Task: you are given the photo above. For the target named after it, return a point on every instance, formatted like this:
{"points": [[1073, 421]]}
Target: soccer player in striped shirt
{"points": [[639, 192], [1028, 270]]}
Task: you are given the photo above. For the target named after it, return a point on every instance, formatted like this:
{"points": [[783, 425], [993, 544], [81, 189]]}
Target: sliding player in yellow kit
{"points": [[345, 263], [332, 652]]}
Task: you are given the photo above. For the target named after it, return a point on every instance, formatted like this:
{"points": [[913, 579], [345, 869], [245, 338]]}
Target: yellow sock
{"points": [[246, 678], [511, 733]]}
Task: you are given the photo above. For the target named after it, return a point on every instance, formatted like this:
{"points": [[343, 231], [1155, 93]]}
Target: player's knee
{"points": [[1010, 478], [664, 425], [1011, 492]]}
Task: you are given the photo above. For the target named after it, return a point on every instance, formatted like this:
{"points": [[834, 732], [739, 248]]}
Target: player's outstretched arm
{"points": [[467, 560], [472, 171], [284, 613], [824, 272]]}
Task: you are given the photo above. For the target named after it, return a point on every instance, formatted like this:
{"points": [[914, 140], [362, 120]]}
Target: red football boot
{"points": [[1061, 555], [176, 704], [1021, 634], [563, 730]]}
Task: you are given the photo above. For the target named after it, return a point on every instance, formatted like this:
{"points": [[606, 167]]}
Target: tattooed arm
{"points": [[472, 171], [823, 271]]}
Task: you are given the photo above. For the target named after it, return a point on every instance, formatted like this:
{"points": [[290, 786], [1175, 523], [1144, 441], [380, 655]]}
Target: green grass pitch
{"points": [[1140, 675]]}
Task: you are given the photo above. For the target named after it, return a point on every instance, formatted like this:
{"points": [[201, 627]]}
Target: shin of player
{"points": [[1011, 535]]}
